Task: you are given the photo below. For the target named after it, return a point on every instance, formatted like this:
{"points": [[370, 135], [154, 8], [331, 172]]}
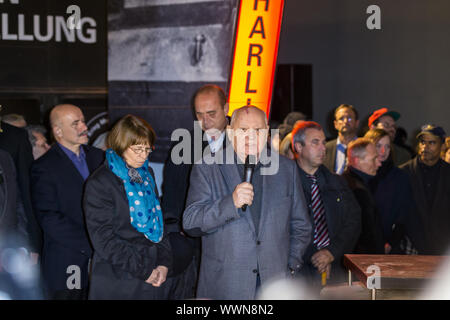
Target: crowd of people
{"points": [[96, 225]]}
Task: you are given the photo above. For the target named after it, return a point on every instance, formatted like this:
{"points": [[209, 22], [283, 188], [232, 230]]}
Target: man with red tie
{"points": [[334, 211]]}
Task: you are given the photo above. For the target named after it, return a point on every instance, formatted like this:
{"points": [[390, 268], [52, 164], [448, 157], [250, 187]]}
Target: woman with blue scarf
{"points": [[124, 219]]}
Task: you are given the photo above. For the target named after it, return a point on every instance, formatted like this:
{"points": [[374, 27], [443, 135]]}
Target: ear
{"points": [[57, 132], [335, 124], [297, 147], [357, 123]]}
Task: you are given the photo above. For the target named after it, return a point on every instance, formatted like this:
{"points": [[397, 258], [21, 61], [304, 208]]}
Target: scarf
{"points": [[145, 209]]}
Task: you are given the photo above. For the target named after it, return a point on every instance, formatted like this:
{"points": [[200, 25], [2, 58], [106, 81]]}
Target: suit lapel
{"points": [[269, 189], [333, 155], [90, 162], [67, 163]]}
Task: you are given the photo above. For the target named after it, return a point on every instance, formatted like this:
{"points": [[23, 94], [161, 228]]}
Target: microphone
{"points": [[248, 172]]}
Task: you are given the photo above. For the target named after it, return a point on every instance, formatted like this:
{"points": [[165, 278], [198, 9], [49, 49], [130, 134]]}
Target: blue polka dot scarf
{"points": [[145, 209]]}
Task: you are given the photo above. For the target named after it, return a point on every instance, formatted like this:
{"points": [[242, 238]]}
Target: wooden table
{"points": [[410, 272]]}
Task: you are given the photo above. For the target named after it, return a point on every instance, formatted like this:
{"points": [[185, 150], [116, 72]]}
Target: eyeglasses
{"points": [[342, 119], [140, 151]]}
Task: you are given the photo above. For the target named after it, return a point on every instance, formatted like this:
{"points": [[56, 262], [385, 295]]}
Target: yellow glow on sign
{"points": [[255, 53]]}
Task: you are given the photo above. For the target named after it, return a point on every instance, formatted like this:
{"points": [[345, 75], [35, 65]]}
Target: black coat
{"points": [[12, 214], [371, 239], [57, 192], [175, 190], [393, 193], [123, 257], [15, 142], [435, 220], [343, 216]]}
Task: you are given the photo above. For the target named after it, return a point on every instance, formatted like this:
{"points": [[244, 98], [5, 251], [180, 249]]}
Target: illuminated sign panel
{"points": [[255, 53]]}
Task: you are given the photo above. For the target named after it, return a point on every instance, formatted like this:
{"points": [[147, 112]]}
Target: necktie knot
{"points": [[313, 178]]}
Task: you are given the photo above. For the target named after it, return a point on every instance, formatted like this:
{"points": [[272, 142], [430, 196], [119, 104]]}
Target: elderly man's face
{"points": [[73, 129], [313, 152], [210, 113], [40, 146], [371, 162], [249, 133]]}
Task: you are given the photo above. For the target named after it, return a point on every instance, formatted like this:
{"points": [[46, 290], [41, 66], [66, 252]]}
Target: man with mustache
{"points": [[346, 123], [57, 180], [430, 181], [333, 209]]}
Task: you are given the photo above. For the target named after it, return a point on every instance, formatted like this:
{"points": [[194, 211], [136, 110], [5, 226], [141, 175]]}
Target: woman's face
{"points": [[136, 155], [383, 148], [447, 156]]}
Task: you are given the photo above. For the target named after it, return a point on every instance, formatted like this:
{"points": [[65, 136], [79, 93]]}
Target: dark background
{"points": [[335, 59]]}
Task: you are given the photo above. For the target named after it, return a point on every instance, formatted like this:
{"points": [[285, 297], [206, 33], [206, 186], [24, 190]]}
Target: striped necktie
{"points": [[321, 237]]}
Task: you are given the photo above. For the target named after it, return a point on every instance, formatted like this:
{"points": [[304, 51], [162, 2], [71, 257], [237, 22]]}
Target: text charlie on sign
{"points": [[255, 53]]}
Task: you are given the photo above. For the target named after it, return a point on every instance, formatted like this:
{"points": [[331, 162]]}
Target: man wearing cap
{"points": [[430, 180], [385, 119], [346, 123]]}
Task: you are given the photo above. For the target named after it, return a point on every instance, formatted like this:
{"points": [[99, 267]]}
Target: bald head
{"points": [[248, 111], [68, 126], [248, 131], [60, 111]]}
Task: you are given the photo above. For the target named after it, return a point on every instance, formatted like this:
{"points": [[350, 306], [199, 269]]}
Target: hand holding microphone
{"points": [[243, 193]]}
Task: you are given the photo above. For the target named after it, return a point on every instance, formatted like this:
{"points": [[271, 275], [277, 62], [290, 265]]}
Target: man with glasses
{"points": [[57, 180], [385, 119], [346, 123], [430, 181]]}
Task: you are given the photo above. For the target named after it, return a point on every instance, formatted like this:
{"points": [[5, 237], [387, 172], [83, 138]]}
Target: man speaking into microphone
{"points": [[254, 226]]}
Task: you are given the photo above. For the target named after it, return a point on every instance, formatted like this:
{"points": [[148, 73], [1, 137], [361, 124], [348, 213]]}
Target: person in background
{"points": [[15, 141], [210, 108], [57, 181], [445, 155], [401, 138], [392, 192], [430, 180], [36, 135], [386, 119], [346, 123], [286, 147], [363, 163], [14, 119], [292, 118], [132, 255], [278, 137], [333, 209]]}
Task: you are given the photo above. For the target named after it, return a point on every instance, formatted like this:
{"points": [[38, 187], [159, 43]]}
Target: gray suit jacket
{"points": [[232, 252]]}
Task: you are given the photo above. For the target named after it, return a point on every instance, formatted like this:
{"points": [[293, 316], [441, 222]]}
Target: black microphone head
{"points": [[250, 161]]}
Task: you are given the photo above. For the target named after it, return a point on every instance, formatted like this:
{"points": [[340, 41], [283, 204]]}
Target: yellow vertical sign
{"points": [[255, 53]]}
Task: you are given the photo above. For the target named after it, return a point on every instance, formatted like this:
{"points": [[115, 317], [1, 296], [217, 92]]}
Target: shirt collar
{"points": [[338, 141], [215, 144], [72, 154]]}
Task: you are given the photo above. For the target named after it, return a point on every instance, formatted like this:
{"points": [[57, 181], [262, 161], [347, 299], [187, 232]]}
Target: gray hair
{"points": [[35, 128], [12, 117], [299, 131]]}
